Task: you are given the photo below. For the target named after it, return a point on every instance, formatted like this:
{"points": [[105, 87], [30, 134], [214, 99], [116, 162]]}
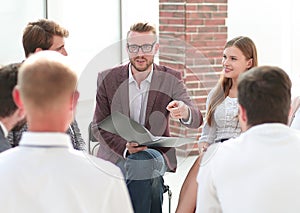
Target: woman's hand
{"points": [[203, 147]]}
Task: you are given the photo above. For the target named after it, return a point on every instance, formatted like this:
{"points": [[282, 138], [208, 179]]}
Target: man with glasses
{"points": [[147, 93]]}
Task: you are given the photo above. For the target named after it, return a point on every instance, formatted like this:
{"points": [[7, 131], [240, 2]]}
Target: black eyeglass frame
{"points": [[141, 47]]}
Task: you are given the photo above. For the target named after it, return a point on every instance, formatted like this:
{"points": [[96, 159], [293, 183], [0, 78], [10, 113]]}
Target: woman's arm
{"points": [[188, 192]]}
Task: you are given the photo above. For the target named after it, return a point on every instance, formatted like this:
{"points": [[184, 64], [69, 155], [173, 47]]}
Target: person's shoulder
{"points": [[114, 70], [4, 144], [113, 75], [217, 152], [8, 157], [166, 69], [210, 154], [293, 132]]}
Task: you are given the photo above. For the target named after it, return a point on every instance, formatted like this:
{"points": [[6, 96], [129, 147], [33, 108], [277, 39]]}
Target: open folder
{"points": [[119, 124]]}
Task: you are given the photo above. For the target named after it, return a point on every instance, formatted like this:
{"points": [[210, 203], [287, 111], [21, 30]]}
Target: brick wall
{"points": [[192, 35]]}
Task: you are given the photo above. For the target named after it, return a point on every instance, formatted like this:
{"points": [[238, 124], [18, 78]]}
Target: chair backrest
{"points": [[93, 143]]}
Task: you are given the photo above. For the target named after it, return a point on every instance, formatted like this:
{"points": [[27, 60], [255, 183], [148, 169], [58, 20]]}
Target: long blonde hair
{"points": [[221, 90]]}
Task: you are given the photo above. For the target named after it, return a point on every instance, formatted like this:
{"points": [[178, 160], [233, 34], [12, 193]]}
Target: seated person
{"points": [[44, 173], [259, 170], [10, 115], [147, 93], [41, 35]]}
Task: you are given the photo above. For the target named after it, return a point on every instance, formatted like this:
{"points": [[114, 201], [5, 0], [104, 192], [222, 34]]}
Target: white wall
{"points": [[93, 26], [135, 11], [94, 30], [15, 15], [274, 27]]}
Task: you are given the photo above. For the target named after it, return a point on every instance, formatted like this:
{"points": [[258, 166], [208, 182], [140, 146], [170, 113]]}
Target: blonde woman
{"points": [[221, 122]]}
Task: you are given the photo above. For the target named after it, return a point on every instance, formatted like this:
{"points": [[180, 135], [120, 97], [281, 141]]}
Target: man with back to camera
{"points": [[147, 93], [51, 175], [42, 35], [10, 116], [259, 170]]}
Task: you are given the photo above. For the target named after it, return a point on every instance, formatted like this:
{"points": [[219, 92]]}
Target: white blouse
{"points": [[296, 120], [225, 123]]}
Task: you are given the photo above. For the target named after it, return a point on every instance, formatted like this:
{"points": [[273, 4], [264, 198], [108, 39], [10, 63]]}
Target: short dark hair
{"points": [[265, 93], [39, 34], [8, 80]]}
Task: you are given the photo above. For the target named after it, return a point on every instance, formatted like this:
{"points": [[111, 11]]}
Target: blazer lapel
{"points": [[156, 82], [123, 89]]}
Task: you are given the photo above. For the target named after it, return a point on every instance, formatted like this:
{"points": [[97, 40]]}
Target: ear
{"points": [[156, 47], [250, 63], [243, 119], [20, 112], [17, 97], [38, 50], [74, 100]]}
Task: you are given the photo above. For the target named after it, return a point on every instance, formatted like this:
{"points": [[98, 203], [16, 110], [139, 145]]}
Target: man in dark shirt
{"points": [[10, 116]]}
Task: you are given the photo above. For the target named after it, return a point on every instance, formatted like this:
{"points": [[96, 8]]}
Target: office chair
{"points": [[93, 144]]}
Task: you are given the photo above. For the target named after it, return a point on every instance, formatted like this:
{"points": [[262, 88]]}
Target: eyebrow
{"points": [[230, 56]]}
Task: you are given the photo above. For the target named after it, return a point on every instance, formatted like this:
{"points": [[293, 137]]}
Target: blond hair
{"points": [[45, 80], [142, 27]]}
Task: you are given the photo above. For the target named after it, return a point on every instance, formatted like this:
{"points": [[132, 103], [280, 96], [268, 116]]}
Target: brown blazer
{"points": [[113, 95]]}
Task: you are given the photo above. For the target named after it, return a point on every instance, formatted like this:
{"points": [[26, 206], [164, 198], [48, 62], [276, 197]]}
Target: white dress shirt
{"points": [[5, 132], [258, 172], [138, 96], [45, 174]]}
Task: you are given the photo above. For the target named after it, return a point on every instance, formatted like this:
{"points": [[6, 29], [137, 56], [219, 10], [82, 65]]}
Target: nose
{"points": [[140, 52], [225, 61]]}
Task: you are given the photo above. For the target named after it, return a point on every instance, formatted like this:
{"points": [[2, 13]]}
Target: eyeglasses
{"points": [[146, 48]]}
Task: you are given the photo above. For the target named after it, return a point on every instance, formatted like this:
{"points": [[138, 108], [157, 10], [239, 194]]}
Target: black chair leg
{"points": [[167, 189]]}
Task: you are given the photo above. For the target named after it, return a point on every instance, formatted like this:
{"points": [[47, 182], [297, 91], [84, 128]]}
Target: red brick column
{"points": [[192, 35]]}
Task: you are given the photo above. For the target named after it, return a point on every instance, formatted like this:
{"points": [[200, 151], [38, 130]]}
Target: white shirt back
{"points": [[256, 172], [45, 174]]}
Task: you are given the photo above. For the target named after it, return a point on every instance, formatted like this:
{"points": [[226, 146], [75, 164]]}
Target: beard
{"points": [[142, 68]]}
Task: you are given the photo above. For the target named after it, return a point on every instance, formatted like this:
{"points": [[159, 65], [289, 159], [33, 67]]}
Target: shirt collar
{"points": [[131, 78], [46, 139], [5, 132]]}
